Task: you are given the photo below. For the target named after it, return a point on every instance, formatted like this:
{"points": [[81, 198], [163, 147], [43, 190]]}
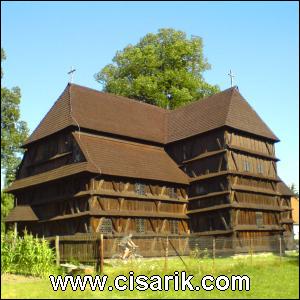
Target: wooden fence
{"points": [[91, 249]]}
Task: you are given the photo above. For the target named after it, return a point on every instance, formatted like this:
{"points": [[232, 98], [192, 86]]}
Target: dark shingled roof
{"points": [[284, 190], [121, 158], [227, 108], [51, 175], [21, 213], [109, 113], [102, 112], [112, 157]]}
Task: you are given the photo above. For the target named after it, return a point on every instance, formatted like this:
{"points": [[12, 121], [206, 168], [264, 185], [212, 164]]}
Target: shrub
{"points": [[198, 253], [26, 255]]}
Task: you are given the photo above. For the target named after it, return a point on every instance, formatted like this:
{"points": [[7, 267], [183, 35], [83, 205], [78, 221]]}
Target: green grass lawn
{"points": [[269, 278]]}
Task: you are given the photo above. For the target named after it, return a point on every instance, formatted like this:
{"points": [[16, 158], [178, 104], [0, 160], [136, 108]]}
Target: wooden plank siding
{"points": [[233, 181]]}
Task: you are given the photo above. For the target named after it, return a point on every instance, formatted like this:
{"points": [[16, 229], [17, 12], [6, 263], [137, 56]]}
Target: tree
{"points": [[164, 69], [13, 134], [294, 189]]}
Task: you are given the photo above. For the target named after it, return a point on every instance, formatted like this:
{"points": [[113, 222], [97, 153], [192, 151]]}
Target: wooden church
{"points": [[103, 163]]}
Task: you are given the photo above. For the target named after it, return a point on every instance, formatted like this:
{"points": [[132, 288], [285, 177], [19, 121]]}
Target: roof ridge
{"points": [[233, 89], [65, 91], [135, 144], [201, 99], [235, 92], [122, 98]]}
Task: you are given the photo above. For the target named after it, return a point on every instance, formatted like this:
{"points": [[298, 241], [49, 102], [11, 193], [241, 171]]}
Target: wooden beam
{"points": [[132, 195], [222, 186], [100, 184], [152, 225], [110, 213], [71, 206], [86, 227], [286, 221], [255, 228], [232, 172], [212, 232], [234, 160], [223, 221], [126, 187], [163, 225], [115, 226], [76, 206], [211, 208], [268, 148], [252, 152], [54, 157], [127, 224], [152, 189], [121, 203], [255, 206], [162, 190], [202, 156], [237, 217], [269, 169], [209, 195], [99, 224], [119, 225], [232, 194], [185, 227], [220, 164], [251, 189], [115, 186], [92, 184], [158, 205], [100, 203], [219, 143]]}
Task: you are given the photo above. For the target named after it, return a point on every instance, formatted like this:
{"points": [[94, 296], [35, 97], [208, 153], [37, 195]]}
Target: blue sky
{"points": [[257, 40]]}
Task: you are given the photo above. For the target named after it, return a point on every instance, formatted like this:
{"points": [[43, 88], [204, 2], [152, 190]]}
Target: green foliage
{"points": [[3, 57], [199, 253], [7, 203], [13, 134], [270, 279], [294, 189], [164, 69], [26, 255]]}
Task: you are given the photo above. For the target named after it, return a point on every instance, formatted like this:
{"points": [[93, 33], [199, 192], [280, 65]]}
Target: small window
{"points": [[184, 151], [259, 219], [172, 193], [246, 166], [76, 154], [140, 225], [68, 143], [200, 190], [174, 227], [260, 169], [140, 188], [106, 226]]}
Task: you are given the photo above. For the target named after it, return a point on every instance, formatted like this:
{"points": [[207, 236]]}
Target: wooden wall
{"points": [[84, 204], [232, 192], [233, 183], [160, 208], [57, 150]]}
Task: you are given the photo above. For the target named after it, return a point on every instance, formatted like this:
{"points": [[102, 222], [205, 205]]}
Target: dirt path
{"points": [[12, 278]]}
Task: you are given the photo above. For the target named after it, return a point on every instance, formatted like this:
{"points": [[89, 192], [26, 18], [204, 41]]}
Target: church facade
{"points": [[101, 163]]}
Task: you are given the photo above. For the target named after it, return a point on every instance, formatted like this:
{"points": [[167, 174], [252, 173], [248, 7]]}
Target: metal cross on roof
{"points": [[71, 73], [230, 74]]}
